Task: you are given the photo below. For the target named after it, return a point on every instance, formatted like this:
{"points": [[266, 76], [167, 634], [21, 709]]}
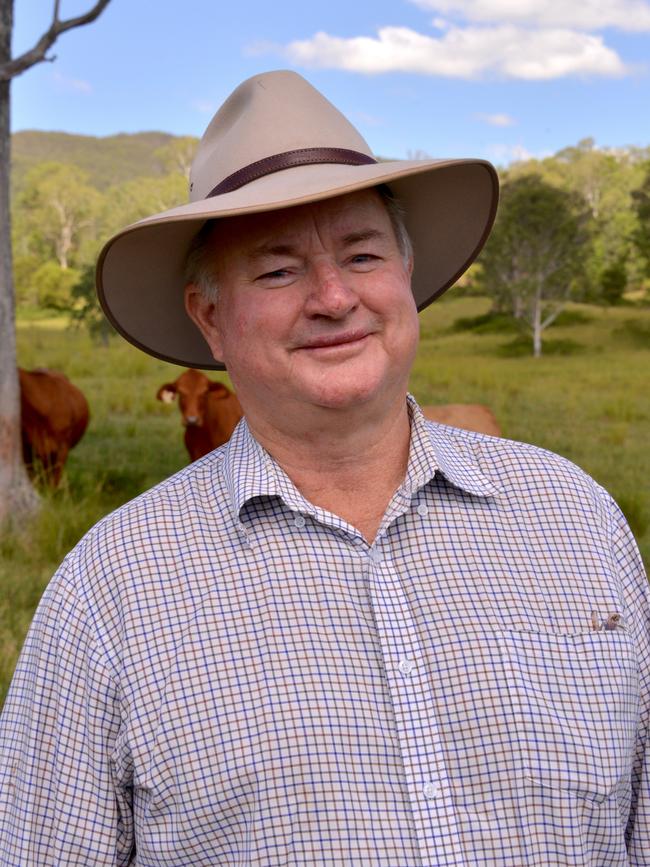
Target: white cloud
{"points": [[470, 52], [72, 83], [630, 15], [497, 119]]}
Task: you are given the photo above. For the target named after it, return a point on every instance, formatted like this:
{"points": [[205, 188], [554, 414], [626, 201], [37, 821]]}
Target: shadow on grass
{"points": [[522, 347], [634, 333], [487, 323], [571, 317], [502, 323]]}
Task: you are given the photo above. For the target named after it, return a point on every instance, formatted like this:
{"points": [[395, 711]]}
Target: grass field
{"points": [[588, 399]]}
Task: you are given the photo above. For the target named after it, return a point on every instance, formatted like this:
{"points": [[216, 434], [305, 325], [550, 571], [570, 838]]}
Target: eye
{"points": [[364, 261], [277, 277]]}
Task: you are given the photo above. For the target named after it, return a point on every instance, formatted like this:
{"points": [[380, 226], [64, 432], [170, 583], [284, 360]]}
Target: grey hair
{"points": [[199, 264], [397, 215]]}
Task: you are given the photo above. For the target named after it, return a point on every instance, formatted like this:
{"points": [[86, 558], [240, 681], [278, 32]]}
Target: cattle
{"points": [[469, 416], [209, 410], [53, 417]]}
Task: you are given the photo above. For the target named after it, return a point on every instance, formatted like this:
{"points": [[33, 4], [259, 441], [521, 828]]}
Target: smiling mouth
{"points": [[336, 340]]}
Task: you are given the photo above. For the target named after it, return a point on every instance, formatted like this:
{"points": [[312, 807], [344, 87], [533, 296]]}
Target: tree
{"points": [[587, 171], [53, 286], [178, 155], [58, 206], [613, 282], [85, 310], [17, 496], [605, 178], [641, 236], [535, 253], [132, 200]]}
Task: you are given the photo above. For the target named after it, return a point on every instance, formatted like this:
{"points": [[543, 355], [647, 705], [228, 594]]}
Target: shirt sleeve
{"points": [[637, 616], [60, 801]]}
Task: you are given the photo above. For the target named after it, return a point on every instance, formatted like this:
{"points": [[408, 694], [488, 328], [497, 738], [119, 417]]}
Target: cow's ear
{"points": [[167, 393], [219, 389]]}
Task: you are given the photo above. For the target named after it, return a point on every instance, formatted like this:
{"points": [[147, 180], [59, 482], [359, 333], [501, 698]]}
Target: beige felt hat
{"points": [[274, 143]]}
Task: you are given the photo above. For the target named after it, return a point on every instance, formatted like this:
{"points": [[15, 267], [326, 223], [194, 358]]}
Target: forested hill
{"points": [[72, 192], [109, 160]]}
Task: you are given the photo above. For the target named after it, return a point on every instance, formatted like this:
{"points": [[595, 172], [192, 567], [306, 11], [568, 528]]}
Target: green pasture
{"points": [[587, 398]]}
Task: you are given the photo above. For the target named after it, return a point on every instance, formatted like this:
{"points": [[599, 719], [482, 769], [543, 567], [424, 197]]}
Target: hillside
{"points": [[108, 160]]}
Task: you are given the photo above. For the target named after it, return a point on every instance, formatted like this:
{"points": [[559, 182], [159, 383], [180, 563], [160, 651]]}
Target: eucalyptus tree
{"points": [[605, 178], [58, 206], [17, 496], [535, 253]]}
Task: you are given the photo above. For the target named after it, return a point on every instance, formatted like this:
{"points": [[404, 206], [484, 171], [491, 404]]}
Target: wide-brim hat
{"points": [[277, 142]]}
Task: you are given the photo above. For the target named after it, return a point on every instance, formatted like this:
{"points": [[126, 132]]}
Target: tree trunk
{"points": [[17, 496], [64, 240], [537, 325]]}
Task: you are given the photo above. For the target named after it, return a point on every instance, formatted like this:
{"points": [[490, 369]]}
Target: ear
{"points": [[203, 313], [219, 389], [166, 393]]}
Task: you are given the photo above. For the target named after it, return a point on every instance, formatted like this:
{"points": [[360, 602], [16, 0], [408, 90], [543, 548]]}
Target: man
{"points": [[348, 637]]}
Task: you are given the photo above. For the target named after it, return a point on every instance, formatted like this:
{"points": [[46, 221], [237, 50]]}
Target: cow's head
{"points": [[192, 388]]}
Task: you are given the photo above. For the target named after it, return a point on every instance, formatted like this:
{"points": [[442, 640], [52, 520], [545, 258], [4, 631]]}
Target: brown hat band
{"points": [[288, 160]]}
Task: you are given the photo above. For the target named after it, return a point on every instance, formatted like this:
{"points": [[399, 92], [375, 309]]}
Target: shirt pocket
{"points": [[575, 702]]}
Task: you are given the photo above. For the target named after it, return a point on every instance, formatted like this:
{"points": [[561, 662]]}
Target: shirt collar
{"points": [[438, 447], [251, 472]]}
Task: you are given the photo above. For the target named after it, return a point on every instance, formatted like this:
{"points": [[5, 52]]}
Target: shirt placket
{"points": [[415, 715]]}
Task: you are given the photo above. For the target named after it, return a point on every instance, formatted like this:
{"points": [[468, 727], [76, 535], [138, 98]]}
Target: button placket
{"points": [[416, 723], [375, 555]]}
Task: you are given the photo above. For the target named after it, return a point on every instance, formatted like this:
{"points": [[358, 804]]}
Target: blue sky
{"points": [[501, 79]]}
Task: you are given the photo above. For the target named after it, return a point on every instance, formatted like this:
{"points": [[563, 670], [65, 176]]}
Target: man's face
{"points": [[314, 305]]}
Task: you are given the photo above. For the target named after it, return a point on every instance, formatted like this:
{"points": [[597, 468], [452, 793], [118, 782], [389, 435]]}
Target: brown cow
{"points": [[54, 417], [469, 416], [209, 410]]}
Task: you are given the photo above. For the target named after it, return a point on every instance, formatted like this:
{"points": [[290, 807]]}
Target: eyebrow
{"points": [[271, 250], [364, 235], [290, 250]]}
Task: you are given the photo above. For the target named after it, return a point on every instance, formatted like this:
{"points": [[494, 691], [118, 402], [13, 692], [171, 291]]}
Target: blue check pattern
{"points": [[221, 673]]}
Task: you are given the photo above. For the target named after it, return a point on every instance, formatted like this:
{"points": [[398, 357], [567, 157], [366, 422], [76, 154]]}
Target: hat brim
{"points": [[449, 205]]}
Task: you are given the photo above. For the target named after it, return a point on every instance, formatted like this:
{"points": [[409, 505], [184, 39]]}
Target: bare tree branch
{"points": [[38, 53], [553, 316]]}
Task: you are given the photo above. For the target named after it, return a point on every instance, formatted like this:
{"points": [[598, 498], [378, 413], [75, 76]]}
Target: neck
{"points": [[350, 463]]}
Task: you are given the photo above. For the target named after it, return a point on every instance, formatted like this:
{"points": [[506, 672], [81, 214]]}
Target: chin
{"points": [[345, 395]]}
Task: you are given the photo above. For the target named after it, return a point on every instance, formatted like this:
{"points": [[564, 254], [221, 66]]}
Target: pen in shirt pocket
{"points": [[613, 621]]}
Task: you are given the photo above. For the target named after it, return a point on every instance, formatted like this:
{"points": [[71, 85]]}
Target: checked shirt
{"points": [[221, 673]]}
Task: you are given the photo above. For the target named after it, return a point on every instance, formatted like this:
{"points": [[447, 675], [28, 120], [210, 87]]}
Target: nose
{"points": [[330, 293]]}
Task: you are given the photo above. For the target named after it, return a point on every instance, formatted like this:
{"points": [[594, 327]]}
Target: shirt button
{"points": [[375, 555], [423, 510], [430, 790], [299, 521], [406, 666]]}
